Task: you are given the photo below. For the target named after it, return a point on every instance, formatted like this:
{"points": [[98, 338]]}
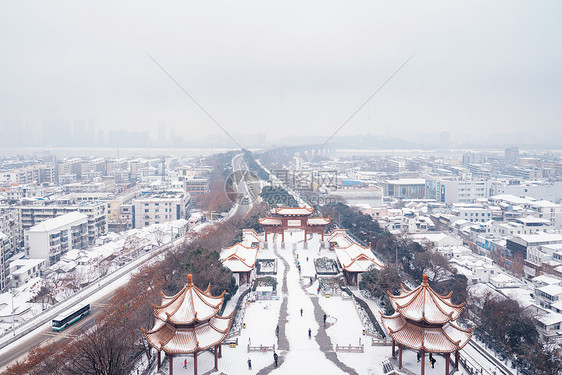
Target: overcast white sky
{"points": [[287, 67]]}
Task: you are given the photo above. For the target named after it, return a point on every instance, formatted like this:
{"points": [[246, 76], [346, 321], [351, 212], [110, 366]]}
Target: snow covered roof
{"points": [[188, 306], [250, 235], [407, 181], [188, 322], [294, 211], [318, 221], [239, 258], [551, 290], [550, 318], [356, 258], [546, 280], [424, 304], [59, 222], [443, 339], [269, 221]]}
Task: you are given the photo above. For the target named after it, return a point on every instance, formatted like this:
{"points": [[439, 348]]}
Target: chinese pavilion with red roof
{"points": [[188, 323], [426, 322], [294, 218]]}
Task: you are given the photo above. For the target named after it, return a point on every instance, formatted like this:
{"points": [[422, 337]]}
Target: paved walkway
{"points": [[322, 338], [295, 326], [282, 341]]}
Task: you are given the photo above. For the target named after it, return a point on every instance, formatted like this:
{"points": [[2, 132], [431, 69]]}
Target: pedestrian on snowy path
{"points": [[325, 319], [309, 333], [249, 364], [432, 360], [275, 358], [301, 311], [277, 330], [185, 363]]}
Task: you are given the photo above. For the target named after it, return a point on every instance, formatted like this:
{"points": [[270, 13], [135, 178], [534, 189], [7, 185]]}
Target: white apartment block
{"points": [[95, 211], [54, 237], [461, 191], [40, 173], [473, 213], [158, 208], [10, 226]]}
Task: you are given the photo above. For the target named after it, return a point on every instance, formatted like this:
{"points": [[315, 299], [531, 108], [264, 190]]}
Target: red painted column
{"points": [[220, 350], [447, 358], [159, 360], [195, 363], [456, 359], [422, 362], [282, 234], [216, 357], [322, 235], [393, 348], [171, 356], [305, 235], [399, 356]]}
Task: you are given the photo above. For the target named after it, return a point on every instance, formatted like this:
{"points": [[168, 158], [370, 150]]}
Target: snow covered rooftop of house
{"points": [[545, 279], [540, 237], [239, 258], [550, 318], [356, 258], [552, 290]]}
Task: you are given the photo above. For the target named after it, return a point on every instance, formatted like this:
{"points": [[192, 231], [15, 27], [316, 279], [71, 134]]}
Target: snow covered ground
{"points": [[305, 355]]}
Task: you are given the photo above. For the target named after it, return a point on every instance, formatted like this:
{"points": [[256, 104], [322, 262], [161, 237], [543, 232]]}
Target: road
{"points": [[42, 334], [241, 177], [45, 334]]}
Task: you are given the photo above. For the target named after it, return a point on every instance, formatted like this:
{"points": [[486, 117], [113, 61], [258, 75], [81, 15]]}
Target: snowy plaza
{"points": [[338, 346]]}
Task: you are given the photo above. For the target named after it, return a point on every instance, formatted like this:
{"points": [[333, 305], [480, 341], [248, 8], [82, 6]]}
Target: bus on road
{"points": [[71, 315]]}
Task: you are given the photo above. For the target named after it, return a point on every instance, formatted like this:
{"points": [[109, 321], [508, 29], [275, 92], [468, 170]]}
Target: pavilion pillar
{"points": [[220, 350], [305, 235], [393, 348], [322, 235], [216, 357], [159, 360], [195, 362], [171, 357], [422, 353], [399, 356], [456, 360], [447, 359], [282, 234]]}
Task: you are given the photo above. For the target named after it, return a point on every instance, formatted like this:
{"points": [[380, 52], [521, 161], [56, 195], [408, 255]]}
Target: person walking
{"points": [[325, 317], [185, 363], [249, 364], [419, 357], [301, 311], [309, 333], [277, 330], [432, 360], [275, 358]]}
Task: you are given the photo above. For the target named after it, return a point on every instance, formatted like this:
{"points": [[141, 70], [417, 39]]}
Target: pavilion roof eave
{"points": [[416, 337]]}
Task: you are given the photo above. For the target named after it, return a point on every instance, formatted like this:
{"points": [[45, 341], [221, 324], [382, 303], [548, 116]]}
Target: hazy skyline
{"points": [[481, 69]]}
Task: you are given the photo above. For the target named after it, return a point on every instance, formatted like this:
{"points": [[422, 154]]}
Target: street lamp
{"points": [[13, 315]]}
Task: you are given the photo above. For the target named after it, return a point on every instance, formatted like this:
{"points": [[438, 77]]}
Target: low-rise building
{"points": [[22, 270], [548, 294]]}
